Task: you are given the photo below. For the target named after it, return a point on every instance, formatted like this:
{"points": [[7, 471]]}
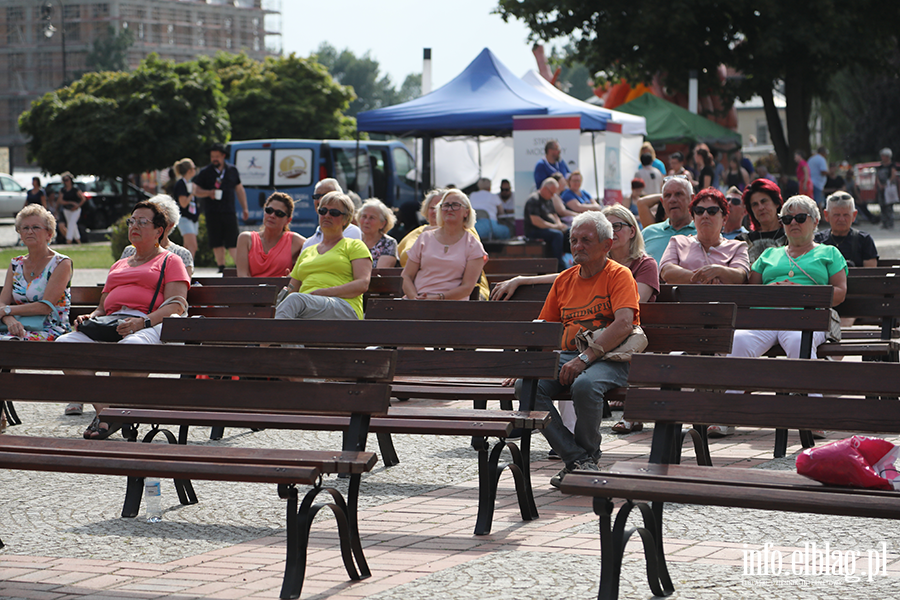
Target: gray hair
{"points": [[682, 181], [886, 152], [548, 181], [636, 249], [341, 200], [484, 184], [168, 207], [464, 200], [429, 196], [387, 215], [840, 199], [598, 220], [332, 183], [37, 210], [804, 203]]}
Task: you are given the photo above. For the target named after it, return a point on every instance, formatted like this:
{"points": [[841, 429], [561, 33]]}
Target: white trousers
{"points": [[72, 217], [750, 343]]}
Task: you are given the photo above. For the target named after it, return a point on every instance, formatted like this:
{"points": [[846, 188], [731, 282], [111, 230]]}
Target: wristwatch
{"points": [[584, 358], [147, 323], [7, 310]]}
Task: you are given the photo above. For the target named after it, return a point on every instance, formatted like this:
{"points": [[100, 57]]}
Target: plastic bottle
{"points": [[152, 500]]}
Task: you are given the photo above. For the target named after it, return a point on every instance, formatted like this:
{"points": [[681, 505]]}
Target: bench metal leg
{"points": [[216, 433], [700, 439], [134, 488], [12, 417], [489, 471], [781, 436], [386, 446]]}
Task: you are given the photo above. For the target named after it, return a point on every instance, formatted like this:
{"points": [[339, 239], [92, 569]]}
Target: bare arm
{"points": [[242, 198], [505, 289], [362, 273], [871, 262], [645, 208], [409, 278], [839, 281], [386, 261], [97, 312], [184, 201], [644, 292], [577, 207], [170, 290], [560, 208], [242, 254], [719, 274], [611, 337]]}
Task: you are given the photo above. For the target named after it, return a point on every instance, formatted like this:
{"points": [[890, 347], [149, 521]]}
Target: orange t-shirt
{"points": [[580, 303]]}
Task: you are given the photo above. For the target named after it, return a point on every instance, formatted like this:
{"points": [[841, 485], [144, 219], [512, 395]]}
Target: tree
{"points": [[113, 123], [574, 77], [110, 53], [769, 42], [362, 74], [286, 96]]}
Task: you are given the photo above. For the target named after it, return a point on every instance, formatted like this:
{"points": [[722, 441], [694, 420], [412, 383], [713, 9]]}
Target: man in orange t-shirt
{"points": [[597, 292]]}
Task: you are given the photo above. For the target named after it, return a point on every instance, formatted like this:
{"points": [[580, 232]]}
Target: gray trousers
{"points": [[588, 390], [322, 308]]}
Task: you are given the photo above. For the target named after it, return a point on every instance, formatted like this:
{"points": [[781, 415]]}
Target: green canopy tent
{"points": [[668, 123]]}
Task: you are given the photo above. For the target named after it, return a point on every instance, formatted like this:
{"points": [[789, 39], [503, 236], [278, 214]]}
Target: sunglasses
{"points": [[620, 226], [801, 218], [274, 211], [318, 196], [736, 200], [330, 211], [712, 210]]}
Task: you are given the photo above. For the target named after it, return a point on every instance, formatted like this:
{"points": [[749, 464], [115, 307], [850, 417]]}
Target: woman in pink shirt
{"points": [[445, 263], [139, 293], [272, 251], [707, 257]]}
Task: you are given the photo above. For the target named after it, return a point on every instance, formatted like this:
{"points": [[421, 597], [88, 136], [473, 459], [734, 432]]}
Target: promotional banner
{"points": [[612, 180], [530, 134]]}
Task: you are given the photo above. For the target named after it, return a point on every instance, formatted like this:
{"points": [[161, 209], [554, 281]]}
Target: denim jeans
{"points": [[588, 390], [555, 241]]}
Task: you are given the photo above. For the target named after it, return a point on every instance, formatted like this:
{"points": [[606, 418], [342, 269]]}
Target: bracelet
{"points": [[442, 295]]}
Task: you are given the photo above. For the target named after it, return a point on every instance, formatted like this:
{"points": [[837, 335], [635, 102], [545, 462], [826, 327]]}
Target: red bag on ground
{"points": [[858, 461]]}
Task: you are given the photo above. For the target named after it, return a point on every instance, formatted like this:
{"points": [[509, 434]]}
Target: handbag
{"points": [[635, 343], [891, 196], [32, 322], [105, 327]]}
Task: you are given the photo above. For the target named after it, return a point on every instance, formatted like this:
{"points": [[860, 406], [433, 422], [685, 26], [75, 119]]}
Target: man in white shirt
{"points": [[322, 188], [483, 200]]}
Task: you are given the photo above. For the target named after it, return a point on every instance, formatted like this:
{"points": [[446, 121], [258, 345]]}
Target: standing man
{"points": [[818, 173], [885, 178], [734, 223], [857, 247], [542, 222], [550, 164], [676, 199], [325, 186], [219, 182], [596, 293]]}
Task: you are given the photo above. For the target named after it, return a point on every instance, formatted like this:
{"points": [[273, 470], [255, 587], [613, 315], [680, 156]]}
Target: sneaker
{"points": [[74, 410], [718, 431], [585, 464], [553, 455]]}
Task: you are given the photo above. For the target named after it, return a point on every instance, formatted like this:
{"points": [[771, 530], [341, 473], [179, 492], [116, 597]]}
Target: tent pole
{"points": [[356, 160], [478, 138], [596, 177], [426, 161]]}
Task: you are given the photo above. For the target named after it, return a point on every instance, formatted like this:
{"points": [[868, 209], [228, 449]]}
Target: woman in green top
{"points": [[330, 278]]}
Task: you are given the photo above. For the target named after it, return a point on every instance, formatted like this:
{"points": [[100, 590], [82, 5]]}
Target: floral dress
{"points": [[24, 292], [386, 246]]}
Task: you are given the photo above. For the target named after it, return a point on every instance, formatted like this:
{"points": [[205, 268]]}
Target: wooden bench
{"points": [[660, 394], [362, 393], [209, 301], [531, 356], [869, 299]]}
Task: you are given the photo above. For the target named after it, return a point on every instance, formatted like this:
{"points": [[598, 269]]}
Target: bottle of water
{"points": [[152, 499]]}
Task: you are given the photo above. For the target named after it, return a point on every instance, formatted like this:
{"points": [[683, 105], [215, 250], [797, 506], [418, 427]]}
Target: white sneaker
{"points": [[717, 431]]}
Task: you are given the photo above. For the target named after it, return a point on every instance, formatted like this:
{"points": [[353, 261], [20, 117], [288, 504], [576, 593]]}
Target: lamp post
{"points": [[49, 30]]}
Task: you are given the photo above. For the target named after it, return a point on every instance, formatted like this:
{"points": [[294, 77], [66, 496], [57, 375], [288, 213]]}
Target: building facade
{"points": [[45, 43]]}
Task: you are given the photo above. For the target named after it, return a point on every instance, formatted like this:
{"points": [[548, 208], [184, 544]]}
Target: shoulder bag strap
{"points": [[162, 274]]}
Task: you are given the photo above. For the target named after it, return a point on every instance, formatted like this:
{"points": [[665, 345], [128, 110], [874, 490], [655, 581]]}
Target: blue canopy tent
{"points": [[481, 100]]}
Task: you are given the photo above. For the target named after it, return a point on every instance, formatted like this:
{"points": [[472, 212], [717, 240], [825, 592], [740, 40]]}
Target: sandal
{"points": [[627, 427], [74, 410], [92, 428], [102, 433]]}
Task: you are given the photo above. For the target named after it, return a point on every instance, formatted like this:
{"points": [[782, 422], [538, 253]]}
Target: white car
{"points": [[12, 196]]}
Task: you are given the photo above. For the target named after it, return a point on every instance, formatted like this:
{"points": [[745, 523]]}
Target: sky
{"points": [[394, 32]]}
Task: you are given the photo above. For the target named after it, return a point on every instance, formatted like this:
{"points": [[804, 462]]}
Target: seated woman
{"points": [[559, 206], [330, 278], [445, 262], [801, 262], [273, 250], [375, 220], [172, 213], [762, 200], [706, 257], [576, 199], [140, 290]]}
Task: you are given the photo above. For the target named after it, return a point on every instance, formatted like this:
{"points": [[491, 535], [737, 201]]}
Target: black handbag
{"points": [[105, 327]]}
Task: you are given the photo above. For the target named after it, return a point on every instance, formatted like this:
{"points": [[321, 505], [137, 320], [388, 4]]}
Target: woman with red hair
{"points": [[763, 201], [706, 257]]}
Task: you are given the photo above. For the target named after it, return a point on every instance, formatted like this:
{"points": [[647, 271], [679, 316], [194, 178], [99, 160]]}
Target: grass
{"points": [[84, 256]]}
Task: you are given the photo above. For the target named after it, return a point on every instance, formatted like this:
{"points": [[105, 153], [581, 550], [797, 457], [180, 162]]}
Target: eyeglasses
{"points": [[801, 218], [318, 196], [620, 226], [274, 211], [141, 223], [330, 211], [712, 210], [30, 229], [736, 200], [454, 206]]}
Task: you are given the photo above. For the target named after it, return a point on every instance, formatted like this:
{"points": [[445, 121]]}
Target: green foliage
{"points": [[288, 97], [362, 74], [767, 41], [110, 53], [118, 237], [112, 123], [574, 77]]}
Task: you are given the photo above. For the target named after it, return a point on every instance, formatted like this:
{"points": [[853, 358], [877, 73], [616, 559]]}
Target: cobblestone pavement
{"points": [[64, 537]]}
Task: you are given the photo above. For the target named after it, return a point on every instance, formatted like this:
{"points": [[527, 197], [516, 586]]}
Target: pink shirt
{"points": [[441, 267], [685, 251], [134, 286], [277, 263]]}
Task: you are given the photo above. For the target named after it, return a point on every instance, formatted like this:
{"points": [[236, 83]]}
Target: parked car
{"points": [[107, 199], [12, 196]]}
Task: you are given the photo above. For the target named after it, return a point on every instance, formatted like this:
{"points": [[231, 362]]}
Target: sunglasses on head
{"points": [[274, 211], [712, 210], [801, 218], [330, 211], [736, 200]]}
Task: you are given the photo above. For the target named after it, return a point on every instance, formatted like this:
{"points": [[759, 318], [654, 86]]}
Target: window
{"points": [[762, 131], [14, 32], [345, 168], [45, 70], [101, 11], [404, 165]]}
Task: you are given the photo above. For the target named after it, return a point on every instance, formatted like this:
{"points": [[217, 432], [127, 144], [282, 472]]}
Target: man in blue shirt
{"points": [[818, 172], [550, 164], [676, 200]]}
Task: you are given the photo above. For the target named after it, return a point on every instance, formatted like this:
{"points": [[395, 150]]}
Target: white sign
{"points": [[530, 135], [293, 167], [254, 165]]}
